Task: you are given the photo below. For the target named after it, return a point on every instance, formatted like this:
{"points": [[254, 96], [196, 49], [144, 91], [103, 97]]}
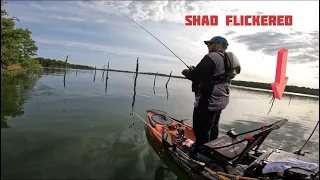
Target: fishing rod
{"points": [[181, 122], [299, 151], [154, 37], [140, 118]]}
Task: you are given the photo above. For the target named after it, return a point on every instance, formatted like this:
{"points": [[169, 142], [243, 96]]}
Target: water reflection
{"points": [[95, 73], [131, 75], [167, 92], [97, 134], [102, 76], [106, 85], [254, 91], [59, 72], [14, 93], [160, 173], [103, 71], [64, 79], [154, 83], [56, 71]]}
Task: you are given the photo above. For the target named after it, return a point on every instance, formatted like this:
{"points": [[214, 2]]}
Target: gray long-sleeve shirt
{"points": [[211, 64]]}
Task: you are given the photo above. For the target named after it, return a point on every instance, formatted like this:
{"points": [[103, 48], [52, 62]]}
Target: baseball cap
{"points": [[217, 39]]}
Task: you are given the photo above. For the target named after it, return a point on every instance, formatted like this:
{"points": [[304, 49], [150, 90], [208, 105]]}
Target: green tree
{"points": [[16, 44], [52, 63]]}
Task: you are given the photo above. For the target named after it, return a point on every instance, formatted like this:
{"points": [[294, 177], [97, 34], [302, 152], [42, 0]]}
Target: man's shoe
{"points": [[193, 152]]}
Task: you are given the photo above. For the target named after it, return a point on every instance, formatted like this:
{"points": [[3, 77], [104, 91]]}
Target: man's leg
{"points": [[197, 124], [203, 121], [215, 127]]}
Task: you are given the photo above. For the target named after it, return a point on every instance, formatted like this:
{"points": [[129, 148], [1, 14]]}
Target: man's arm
{"points": [[204, 68]]}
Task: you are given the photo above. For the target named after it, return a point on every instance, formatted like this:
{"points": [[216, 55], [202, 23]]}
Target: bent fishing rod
{"points": [[299, 151], [153, 37]]}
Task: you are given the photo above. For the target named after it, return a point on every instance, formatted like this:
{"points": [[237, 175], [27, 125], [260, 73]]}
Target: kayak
{"points": [[225, 158], [157, 122]]}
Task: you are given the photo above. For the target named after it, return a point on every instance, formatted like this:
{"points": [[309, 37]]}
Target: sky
{"points": [[93, 33]]}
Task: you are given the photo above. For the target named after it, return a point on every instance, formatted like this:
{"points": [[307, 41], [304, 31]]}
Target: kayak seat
{"points": [[160, 119], [228, 153], [233, 154]]}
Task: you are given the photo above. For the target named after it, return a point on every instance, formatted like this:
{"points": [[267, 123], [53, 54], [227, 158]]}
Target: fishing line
{"points": [[135, 114], [135, 131], [290, 100], [299, 151], [154, 37], [272, 101]]}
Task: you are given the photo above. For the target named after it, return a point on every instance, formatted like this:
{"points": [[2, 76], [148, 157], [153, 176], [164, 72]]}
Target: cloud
{"points": [[171, 11], [102, 48], [95, 26], [304, 46], [228, 33], [69, 18]]}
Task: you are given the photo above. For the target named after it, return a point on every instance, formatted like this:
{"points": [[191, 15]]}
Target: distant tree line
{"points": [[289, 88], [52, 63], [267, 86], [18, 49], [260, 85]]}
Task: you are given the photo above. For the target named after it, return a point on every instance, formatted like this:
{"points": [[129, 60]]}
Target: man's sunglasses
{"points": [[212, 43]]}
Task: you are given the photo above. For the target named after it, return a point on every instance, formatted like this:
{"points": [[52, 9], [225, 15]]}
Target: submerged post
{"points": [[137, 69], [103, 70], [154, 83], [134, 85], [168, 79], [65, 71], [167, 93], [290, 99], [76, 72], [95, 71], [107, 74], [167, 85]]}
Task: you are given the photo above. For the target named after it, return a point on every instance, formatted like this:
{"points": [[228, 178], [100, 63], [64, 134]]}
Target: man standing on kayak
{"points": [[211, 85]]}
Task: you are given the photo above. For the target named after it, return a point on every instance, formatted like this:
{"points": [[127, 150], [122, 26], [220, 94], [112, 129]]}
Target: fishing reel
{"points": [[300, 153], [180, 137]]}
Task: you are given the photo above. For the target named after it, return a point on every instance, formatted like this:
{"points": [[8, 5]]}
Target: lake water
{"points": [[82, 130]]}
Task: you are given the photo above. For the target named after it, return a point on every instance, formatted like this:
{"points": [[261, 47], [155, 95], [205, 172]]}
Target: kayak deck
{"points": [[159, 122]]}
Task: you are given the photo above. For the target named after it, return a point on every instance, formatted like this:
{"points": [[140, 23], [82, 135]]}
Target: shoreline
{"points": [[235, 85], [284, 93]]}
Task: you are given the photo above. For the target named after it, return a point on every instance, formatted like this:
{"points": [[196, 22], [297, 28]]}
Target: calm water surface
{"points": [[82, 130]]}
